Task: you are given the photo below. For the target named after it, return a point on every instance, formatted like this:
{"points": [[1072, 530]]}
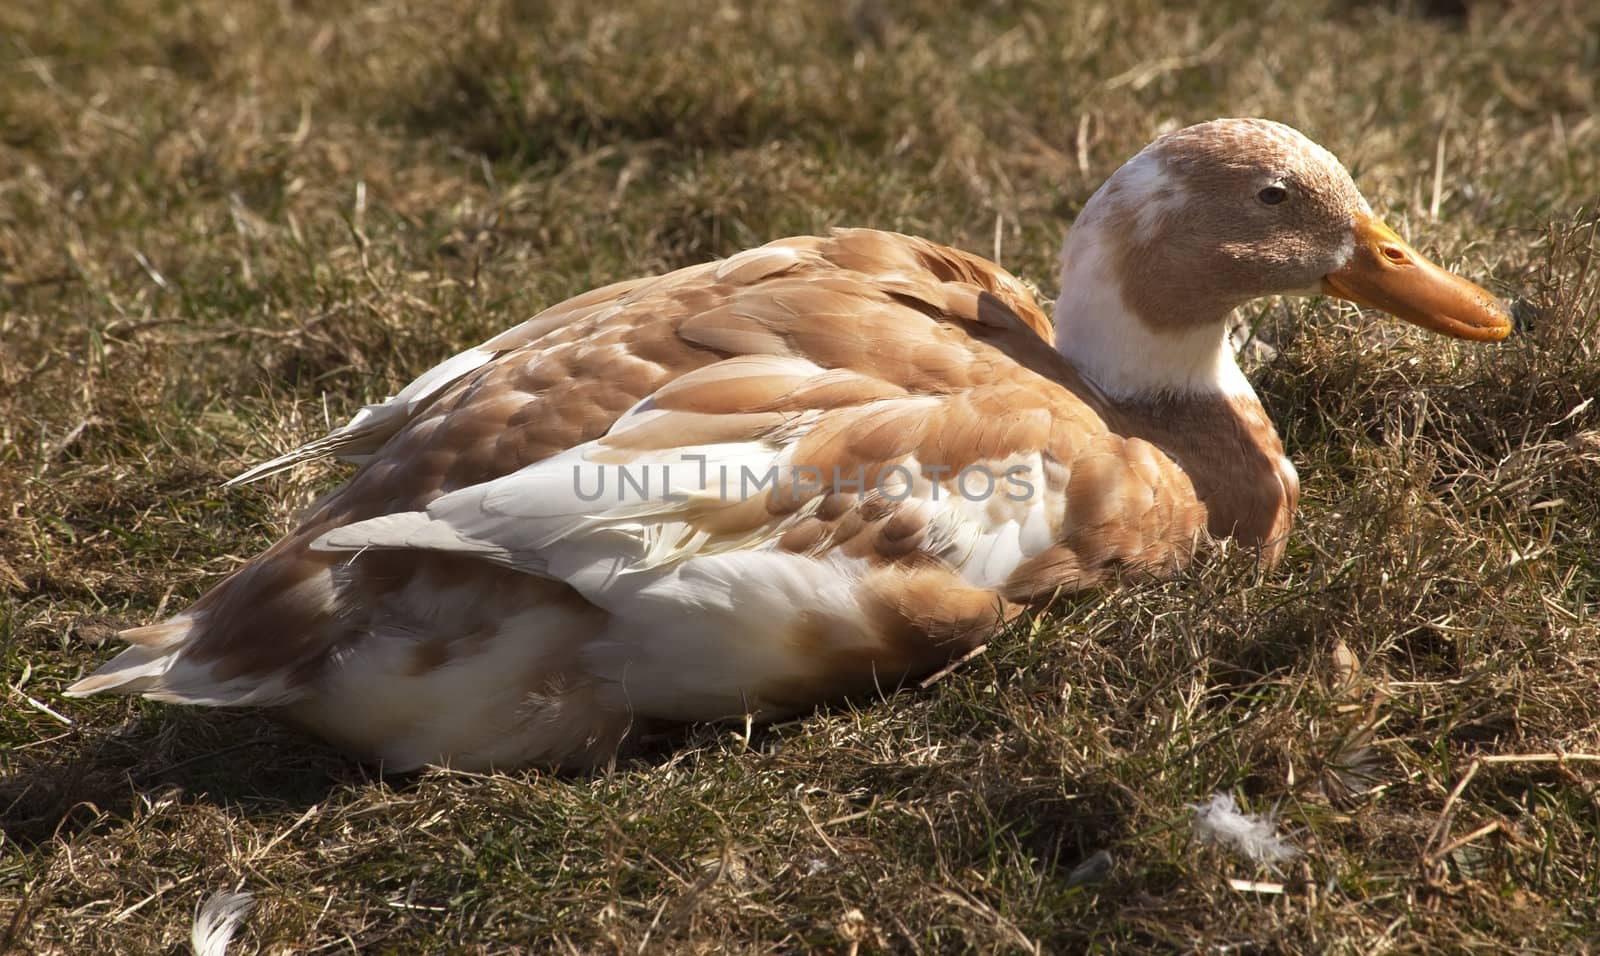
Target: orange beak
{"points": [[1385, 273]]}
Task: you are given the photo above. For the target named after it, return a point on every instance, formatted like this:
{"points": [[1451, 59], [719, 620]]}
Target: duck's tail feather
{"points": [[139, 668], [154, 666]]}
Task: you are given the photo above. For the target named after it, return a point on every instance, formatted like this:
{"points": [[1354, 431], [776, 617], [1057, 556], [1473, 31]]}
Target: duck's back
{"points": [[742, 487]]}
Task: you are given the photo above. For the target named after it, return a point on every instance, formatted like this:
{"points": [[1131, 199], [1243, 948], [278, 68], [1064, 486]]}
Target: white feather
{"points": [[1253, 836], [217, 919], [526, 518]]}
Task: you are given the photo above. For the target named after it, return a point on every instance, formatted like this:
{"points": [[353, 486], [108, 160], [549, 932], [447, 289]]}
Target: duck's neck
{"points": [[1129, 356]]}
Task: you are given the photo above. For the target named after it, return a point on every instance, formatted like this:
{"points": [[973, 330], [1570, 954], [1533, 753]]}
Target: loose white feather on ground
{"points": [[1253, 836], [217, 919]]}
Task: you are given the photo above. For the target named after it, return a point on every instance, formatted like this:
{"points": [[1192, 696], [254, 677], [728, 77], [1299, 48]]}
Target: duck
{"points": [[817, 468]]}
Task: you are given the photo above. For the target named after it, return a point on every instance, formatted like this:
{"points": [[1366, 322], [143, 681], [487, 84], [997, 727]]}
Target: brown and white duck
{"points": [[817, 467]]}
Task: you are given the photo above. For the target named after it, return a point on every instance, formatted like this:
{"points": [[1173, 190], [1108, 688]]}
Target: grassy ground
{"points": [[224, 226]]}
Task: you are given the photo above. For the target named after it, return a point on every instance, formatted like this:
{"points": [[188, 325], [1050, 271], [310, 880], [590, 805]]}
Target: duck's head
{"points": [[1205, 219]]}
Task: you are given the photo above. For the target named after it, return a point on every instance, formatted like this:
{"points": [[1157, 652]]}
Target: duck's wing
{"points": [[913, 413]]}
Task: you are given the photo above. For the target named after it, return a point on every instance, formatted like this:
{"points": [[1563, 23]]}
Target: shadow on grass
{"points": [[243, 760]]}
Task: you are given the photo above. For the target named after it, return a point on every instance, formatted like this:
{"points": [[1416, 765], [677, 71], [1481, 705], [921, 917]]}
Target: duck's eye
{"points": [[1272, 195]]}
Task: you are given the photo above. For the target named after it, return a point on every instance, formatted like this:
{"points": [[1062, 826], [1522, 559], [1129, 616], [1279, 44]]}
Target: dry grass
{"points": [[221, 224]]}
